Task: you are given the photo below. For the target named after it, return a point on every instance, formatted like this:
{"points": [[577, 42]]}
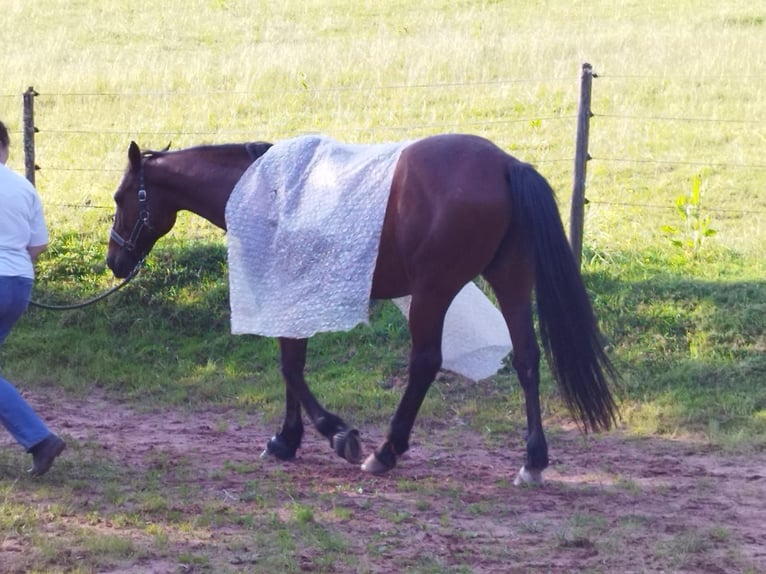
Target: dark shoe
{"points": [[44, 453]]}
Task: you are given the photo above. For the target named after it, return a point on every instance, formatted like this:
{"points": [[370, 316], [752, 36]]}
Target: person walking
{"points": [[23, 236]]}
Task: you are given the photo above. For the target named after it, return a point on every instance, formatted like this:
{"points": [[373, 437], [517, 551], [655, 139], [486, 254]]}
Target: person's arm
{"points": [[35, 250]]}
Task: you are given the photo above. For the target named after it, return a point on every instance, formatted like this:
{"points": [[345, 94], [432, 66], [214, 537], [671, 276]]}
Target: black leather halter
{"points": [[142, 222]]}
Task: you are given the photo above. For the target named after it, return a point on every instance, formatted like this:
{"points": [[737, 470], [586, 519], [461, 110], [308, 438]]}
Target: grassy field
{"points": [[679, 98]]}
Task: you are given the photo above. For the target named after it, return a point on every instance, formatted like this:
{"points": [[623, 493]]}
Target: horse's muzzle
{"points": [[120, 264]]}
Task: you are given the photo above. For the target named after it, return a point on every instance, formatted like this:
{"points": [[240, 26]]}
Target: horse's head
{"points": [[140, 218]]}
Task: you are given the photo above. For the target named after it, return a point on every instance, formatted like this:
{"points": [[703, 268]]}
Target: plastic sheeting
{"points": [[475, 338], [303, 227]]}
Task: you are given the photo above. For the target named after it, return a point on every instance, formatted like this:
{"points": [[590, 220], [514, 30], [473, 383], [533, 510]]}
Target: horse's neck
{"points": [[206, 193], [201, 179]]}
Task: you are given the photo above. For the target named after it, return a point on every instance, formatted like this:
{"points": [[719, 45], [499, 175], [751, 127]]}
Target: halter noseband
{"points": [[143, 216]]}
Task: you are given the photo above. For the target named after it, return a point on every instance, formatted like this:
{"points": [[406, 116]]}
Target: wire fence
{"points": [[482, 124]]}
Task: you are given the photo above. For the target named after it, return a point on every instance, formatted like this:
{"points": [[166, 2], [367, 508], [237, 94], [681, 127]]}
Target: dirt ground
{"points": [[610, 504]]}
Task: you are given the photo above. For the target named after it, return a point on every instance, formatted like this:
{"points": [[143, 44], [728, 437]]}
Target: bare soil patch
{"points": [[611, 503]]}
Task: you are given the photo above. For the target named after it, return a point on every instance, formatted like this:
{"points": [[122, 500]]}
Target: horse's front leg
{"points": [[344, 440], [286, 442]]}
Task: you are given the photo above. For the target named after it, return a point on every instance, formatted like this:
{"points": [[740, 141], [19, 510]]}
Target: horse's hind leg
{"points": [[513, 292], [426, 322], [343, 439]]}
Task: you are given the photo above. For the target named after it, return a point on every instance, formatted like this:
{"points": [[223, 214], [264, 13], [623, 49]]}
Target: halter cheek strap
{"points": [[143, 217]]}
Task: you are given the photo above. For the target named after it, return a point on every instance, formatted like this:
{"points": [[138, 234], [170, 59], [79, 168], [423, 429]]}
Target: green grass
{"points": [[679, 95]]}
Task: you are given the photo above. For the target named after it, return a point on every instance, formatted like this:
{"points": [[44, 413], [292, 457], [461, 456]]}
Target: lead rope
{"points": [[95, 299]]}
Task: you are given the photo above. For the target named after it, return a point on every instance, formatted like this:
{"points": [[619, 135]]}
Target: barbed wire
{"points": [[662, 207], [620, 204], [303, 89], [410, 127], [680, 77], [384, 87], [678, 119], [682, 162], [673, 207], [425, 126], [116, 170]]}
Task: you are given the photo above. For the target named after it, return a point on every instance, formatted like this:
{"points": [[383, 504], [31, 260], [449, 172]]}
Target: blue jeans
{"points": [[15, 413]]}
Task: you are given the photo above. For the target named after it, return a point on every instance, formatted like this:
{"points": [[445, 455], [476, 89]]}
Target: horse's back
{"points": [[448, 211]]}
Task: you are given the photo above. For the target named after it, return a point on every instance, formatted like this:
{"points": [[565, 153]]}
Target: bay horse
{"points": [[459, 207]]}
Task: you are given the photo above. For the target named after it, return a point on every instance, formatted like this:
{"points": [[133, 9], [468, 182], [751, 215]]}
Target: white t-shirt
{"points": [[21, 224]]}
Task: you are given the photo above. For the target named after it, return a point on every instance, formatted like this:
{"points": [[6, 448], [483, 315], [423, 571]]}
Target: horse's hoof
{"points": [[346, 444], [374, 466], [277, 447], [529, 477]]}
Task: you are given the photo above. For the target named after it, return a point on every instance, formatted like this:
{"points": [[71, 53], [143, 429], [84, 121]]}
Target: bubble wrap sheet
{"points": [[475, 338], [303, 227]]}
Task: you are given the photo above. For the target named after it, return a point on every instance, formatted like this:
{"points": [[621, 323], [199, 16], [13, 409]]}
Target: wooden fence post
{"points": [[29, 134], [577, 213]]}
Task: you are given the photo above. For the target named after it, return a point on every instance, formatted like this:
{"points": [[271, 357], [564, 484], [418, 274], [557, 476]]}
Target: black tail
{"points": [[571, 340]]}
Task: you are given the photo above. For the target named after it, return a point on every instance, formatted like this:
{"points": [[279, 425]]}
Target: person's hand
{"points": [[35, 250]]}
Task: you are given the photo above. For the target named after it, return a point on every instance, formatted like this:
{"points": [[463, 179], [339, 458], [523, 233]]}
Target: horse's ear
{"points": [[134, 155], [167, 147]]}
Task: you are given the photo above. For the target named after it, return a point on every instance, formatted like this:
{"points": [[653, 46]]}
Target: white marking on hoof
{"points": [[266, 454], [373, 465], [529, 477]]}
